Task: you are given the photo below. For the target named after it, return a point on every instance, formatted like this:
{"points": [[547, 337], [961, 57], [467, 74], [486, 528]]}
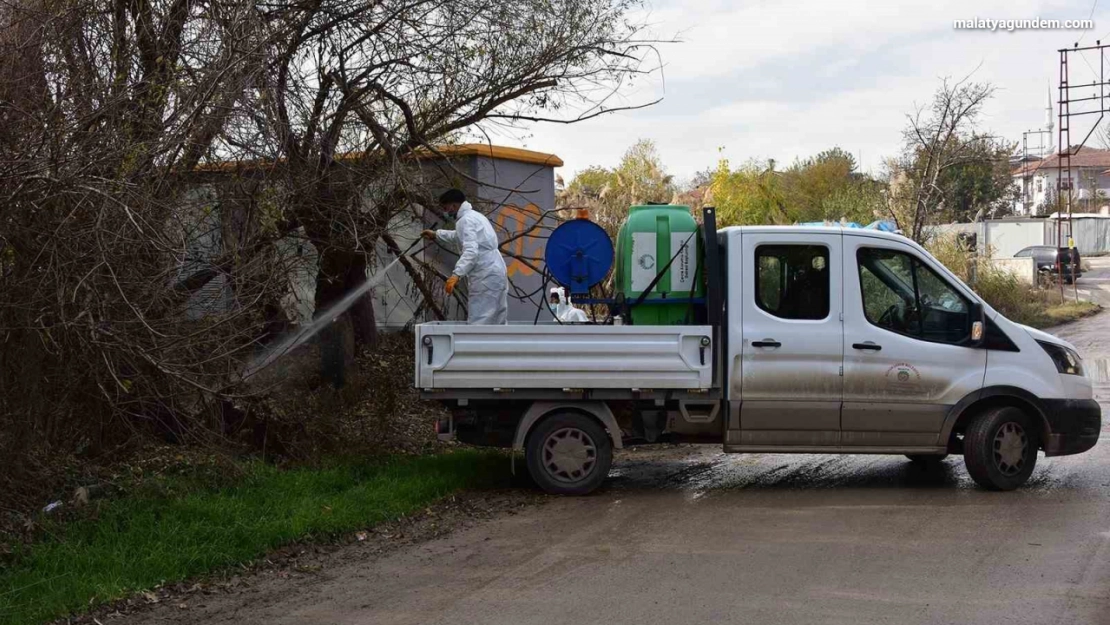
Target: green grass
{"points": [[1069, 311], [173, 529]]}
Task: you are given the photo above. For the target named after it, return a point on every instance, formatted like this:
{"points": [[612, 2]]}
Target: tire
{"points": [[926, 459], [568, 454], [1000, 448]]}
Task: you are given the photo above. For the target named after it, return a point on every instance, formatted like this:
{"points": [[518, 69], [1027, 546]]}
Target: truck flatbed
{"points": [[553, 356]]}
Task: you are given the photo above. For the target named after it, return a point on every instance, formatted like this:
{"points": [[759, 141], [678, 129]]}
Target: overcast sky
{"points": [[788, 78]]}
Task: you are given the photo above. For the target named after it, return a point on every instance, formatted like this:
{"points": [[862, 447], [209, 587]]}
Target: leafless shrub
{"points": [[157, 156]]}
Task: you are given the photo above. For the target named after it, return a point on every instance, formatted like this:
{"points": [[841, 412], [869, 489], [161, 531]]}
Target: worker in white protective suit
{"points": [[480, 260], [562, 308]]}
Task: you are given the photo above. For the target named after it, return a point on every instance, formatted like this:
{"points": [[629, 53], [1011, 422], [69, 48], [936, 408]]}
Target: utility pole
{"points": [[1041, 152], [1090, 99]]}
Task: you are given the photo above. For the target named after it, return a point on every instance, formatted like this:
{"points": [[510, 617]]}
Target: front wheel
{"points": [[1000, 448], [568, 454]]}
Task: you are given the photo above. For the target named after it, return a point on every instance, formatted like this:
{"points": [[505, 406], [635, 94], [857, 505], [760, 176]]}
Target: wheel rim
{"points": [[1010, 444], [569, 455]]}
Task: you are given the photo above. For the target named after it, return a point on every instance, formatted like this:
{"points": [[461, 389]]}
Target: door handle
{"points": [[766, 343], [868, 345], [431, 348]]}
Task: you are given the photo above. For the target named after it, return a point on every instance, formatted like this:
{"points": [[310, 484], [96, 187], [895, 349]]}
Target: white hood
{"points": [[1039, 335]]}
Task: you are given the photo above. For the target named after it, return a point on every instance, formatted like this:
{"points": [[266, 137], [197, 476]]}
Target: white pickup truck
{"points": [[816, 340]]}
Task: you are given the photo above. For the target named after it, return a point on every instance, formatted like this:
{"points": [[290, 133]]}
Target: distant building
{"points": [[1089, 182], [1036, 145]]}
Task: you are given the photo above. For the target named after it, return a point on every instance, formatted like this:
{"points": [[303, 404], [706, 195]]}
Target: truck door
{"points": [[905, 363], [792, 339]]}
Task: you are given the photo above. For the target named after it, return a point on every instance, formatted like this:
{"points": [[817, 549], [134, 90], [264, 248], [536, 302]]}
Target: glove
{"points": [[429, 234], [451, 282]]}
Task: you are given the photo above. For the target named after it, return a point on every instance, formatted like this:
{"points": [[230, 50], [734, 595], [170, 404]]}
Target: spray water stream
{"points": [[301, 335]]}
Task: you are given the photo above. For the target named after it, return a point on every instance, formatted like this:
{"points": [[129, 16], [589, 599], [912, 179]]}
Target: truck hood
{"points": [[1039, 335]]}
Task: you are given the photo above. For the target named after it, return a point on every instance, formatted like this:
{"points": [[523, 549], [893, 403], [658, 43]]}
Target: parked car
{"points": [[812, 340], [1045, 258]]}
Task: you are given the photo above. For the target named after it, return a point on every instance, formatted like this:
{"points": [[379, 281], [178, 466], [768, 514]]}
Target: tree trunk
{"points": [[362, 311], [341, 273], [330, 286]]}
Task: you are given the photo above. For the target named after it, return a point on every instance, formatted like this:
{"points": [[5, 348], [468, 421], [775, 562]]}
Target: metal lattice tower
{"points": [[1064, 152], [1041, 151], [1093, 104]]}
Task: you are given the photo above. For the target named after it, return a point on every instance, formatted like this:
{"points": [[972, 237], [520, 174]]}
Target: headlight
{"points": [[1067, 360]]}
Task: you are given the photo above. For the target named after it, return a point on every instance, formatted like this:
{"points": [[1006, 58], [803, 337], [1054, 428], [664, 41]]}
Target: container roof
{"points": [[502, 152], [462, 150]]}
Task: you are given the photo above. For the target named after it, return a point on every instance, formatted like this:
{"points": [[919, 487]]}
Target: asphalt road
{"points": [[690, 535], [1095, 283]]}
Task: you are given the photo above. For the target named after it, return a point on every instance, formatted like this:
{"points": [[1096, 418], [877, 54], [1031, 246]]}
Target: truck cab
{"points": [[811, 340]]}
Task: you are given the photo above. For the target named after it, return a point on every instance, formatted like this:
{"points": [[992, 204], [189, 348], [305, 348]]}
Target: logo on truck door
{"points": [[903, 375]]}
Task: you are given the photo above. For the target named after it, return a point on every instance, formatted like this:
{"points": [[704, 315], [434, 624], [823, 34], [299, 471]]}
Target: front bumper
{"points": [[1074, 425]]}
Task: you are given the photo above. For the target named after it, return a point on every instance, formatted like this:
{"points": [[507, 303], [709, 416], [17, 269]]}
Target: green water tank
{"points": [[647, 240]]}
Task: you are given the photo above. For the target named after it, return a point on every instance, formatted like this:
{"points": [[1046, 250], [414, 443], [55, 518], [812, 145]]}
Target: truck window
{"points": [[901, 294], [792, 281]]}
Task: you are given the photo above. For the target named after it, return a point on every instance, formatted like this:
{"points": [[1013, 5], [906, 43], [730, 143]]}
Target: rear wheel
{"points": [[1000, 448], [568, 454]]}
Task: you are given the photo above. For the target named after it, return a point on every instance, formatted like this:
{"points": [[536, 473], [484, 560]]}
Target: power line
{"points": [[1089, 18], [1082, 56]]}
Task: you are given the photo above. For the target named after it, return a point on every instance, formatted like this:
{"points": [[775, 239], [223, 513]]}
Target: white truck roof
{"points": [[864, 232]]}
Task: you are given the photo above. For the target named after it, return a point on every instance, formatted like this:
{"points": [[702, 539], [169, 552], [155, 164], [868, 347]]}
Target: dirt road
{"points": [[689, 535]]}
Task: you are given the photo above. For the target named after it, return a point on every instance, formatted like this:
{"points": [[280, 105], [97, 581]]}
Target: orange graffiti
{"points": [[514, 221]]}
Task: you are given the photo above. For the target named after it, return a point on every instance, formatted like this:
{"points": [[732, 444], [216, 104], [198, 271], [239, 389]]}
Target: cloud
{"points": [[785, 80]]}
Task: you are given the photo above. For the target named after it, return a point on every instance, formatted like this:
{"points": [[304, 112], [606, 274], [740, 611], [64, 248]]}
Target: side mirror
{"points": [[978, 324]]}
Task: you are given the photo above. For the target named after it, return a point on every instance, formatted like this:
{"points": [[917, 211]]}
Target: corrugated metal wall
{"points": [[1006, 238], [1091, 234]]}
